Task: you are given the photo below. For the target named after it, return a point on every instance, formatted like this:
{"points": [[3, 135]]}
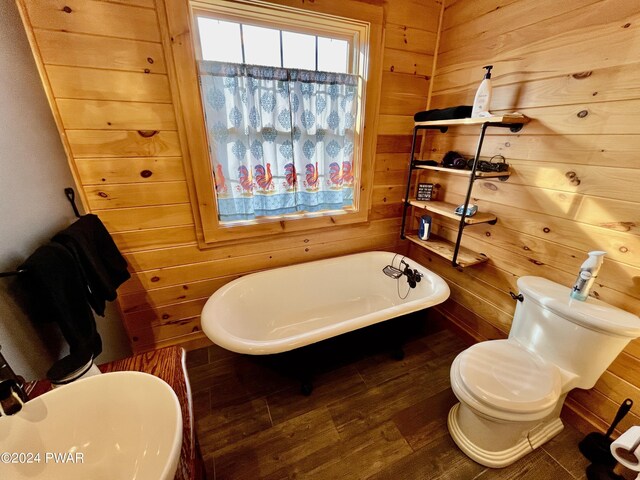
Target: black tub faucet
{"points": [[413, 275]]}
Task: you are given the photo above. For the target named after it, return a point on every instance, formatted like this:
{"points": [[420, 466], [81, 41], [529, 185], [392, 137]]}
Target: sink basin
{"points": [[115, 426]]}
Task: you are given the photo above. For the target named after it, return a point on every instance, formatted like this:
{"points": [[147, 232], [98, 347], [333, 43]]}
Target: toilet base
{"points": [[513, 440]]}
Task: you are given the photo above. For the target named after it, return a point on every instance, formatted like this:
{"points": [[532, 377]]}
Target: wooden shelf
{"points": [[509, 118], [453, 251], [466, 173], [444, 248], [447, 210]]}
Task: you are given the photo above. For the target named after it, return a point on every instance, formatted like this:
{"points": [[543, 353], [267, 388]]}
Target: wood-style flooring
{"points": [[370, 416]]}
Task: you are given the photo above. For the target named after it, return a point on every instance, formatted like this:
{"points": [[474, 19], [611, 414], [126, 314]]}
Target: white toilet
{"points": [[511, 391]]}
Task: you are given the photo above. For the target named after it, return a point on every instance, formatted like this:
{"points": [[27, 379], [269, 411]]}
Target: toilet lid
{"points": [[505, 375]]}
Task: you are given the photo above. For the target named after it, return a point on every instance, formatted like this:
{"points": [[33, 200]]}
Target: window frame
{"points": [[269, 23], [184, 40]]}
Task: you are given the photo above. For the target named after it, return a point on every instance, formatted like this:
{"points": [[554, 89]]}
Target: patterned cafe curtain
{"points": [[281, 139]]}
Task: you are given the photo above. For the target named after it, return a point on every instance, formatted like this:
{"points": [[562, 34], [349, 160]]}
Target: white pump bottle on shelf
{"points": [[482, 100]]}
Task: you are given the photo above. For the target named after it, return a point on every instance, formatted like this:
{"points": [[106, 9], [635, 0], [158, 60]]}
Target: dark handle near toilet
{"points": [[622, 411], [596, 446], [518, 297]]}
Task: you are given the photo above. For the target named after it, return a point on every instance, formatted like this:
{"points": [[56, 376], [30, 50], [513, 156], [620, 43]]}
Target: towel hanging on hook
{"points": [[71, 196]]}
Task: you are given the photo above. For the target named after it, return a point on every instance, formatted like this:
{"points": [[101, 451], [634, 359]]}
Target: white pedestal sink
{"points": [[115, 426]]}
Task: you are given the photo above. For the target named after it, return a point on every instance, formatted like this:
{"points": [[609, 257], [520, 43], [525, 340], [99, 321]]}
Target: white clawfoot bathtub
{"points": [[289, 307]]}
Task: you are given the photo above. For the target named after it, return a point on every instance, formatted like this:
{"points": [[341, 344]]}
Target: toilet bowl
{"points": [[505, 391], [511, 391]]}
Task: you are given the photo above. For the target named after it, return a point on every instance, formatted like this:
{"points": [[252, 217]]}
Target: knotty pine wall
{"points": [[572, 67], [108, 80]]}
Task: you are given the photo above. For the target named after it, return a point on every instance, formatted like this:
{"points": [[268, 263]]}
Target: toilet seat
{"points": [[502, 379]]}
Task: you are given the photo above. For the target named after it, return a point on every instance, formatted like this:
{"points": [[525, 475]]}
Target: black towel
{"points": [[451, 113], [102, 266], [57, 294]]}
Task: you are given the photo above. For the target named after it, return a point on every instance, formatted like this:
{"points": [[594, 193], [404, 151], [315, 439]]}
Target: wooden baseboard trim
{"points": [[447, 320], [580, 418], [193, 341]]}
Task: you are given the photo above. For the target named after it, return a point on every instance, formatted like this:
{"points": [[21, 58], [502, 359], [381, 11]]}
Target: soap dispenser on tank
{"points": [[588, 273]]}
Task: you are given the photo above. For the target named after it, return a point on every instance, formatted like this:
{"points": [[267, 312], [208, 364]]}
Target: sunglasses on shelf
{"points": [[457, 161]]}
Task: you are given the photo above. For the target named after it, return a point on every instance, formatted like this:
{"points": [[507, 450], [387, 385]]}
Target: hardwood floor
{"points": [[369, 416]]}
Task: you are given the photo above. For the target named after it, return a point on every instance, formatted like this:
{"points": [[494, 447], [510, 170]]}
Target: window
{"points": [[275, 123], [270, 46], [281, 131]]}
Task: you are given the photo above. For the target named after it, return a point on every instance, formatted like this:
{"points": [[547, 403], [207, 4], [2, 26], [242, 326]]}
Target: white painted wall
{"points": [[33, 175]]}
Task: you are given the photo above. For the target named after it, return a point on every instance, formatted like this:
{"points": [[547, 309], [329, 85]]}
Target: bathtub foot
{"points": [[397, 353], [306, 388]]}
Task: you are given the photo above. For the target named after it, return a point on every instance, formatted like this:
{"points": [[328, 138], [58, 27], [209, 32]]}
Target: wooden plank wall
{"points": [[572, 67], [105, 72]]}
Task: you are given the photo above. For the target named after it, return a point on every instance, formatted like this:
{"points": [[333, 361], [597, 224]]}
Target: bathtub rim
{"points": [[225, 339]]}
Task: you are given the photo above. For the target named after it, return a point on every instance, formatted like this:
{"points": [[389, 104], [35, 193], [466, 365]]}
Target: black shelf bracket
{"points": [[472, 178], [513, 127], [405, 206], [412, 167]]}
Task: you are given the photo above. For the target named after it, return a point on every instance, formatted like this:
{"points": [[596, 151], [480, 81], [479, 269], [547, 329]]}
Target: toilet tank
{"points": [[582, 338]]}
